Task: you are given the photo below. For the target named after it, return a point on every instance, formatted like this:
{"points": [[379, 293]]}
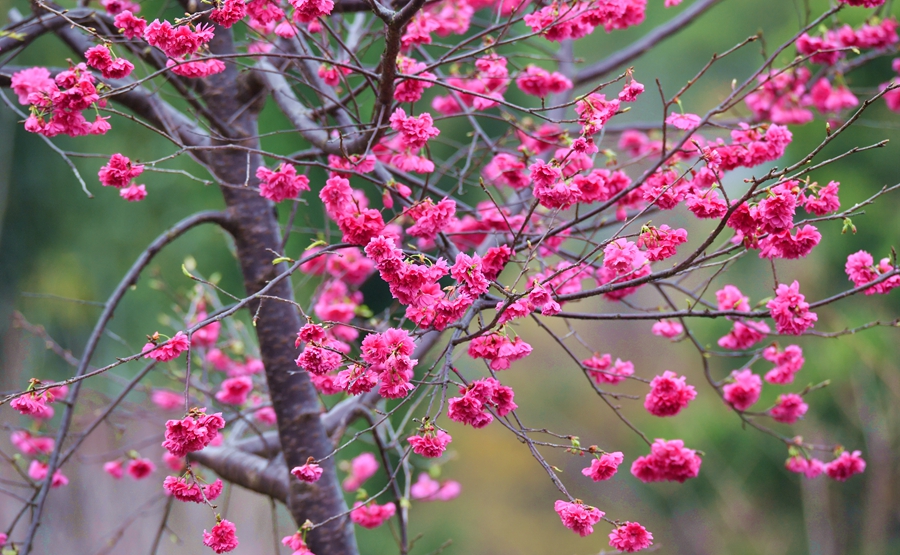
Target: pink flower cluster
{"points": [[57, 103], [578, 517], [169, 350], [431, 444], [309, 472], [32, 445], [539, 82], [362, 467], [416, 285], [38, 470], [192, 433], [668, 394], [119, 172], [668, 461], [180, 489], [234, 391], [410, 90], [661, 243], [487, 86], [371, 515], [631, 536], [604, 467], [560, 21], [841, 468], [296, 544], [349, 209], [472, 407], [281, 184], [787, 363], [602, 370], [428, 489], [743, 391], [388, 355], [498, 349], [100, 57], [790, 310], [223, 536], [861, 269], [413, 133], [789, 408], [430, 218]]}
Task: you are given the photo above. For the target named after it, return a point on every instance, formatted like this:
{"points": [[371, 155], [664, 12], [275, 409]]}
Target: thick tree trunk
{"points": [[294, 398]]}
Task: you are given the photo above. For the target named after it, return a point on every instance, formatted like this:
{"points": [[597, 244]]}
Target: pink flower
{"points": [[37, 471], [790, 310], [668, 394], [432, 444], [119, 171], [668, 461], [133, 193], [235, 390], [309, 472], [845, 466], [33, 405], [170, 350], [426, 489], [31, 80], [228, 12], [602, 370], [306, 11], [180, 489], [731, 298], [129, 25], [661, 243], [604, 467], [539, 82], [472, 407], [685, 122], [281, 184], [371, 515], [222, 538], [787, 363], [744, 335], [775, 212], [631, 536], [744, 390], [167, 399], [175, 463], [578, 517], [196, 69], [32, 445], [824, 199], [362, 467], [430, 218], [789, 408], [140, 468], [296, 544], [861, 269], [810, 468], [670, 329], [192, 433], [114, 468], [863, 3]]}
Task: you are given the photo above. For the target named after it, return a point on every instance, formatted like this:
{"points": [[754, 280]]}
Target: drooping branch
{"points": [[112, 303]]}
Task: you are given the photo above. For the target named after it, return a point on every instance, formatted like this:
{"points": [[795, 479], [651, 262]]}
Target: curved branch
{"points": [[125, 284]]}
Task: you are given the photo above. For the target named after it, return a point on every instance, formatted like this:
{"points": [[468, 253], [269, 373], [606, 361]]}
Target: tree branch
{"points": [[642, 45]]}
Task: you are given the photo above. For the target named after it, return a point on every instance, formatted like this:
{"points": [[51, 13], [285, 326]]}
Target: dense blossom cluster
{"points": [[448, 262]]}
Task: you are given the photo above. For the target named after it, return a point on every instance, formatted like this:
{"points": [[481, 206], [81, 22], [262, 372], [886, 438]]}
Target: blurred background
{"points": [[57, 245]]}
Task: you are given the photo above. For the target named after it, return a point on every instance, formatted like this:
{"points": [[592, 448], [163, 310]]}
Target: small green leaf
{"points": [[314, 244]]}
